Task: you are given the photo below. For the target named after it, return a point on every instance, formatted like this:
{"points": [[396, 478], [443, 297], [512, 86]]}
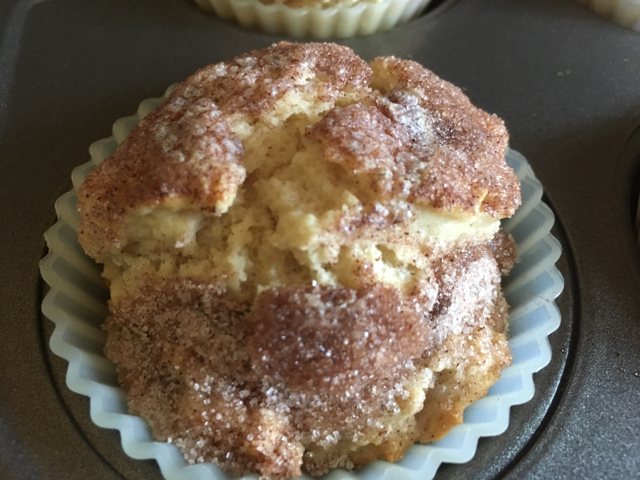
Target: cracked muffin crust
{"points": [[304, 256]]}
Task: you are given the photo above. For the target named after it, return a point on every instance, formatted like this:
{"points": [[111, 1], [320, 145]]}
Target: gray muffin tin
{"points": [[565, 81]]}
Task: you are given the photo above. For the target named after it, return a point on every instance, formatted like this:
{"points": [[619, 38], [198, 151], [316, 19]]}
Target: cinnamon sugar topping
{"points": [[252, 83], [315, 339], [304, 257]]}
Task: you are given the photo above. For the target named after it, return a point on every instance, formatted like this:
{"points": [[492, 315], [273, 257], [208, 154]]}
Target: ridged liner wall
{"points": [[364, 18], [76, 303]]}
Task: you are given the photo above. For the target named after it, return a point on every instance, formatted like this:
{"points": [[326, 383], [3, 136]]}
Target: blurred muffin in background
{"points": [[318, 19], [623, 12]]}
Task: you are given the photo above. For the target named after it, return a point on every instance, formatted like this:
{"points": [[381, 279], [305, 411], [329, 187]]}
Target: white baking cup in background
{"points": [[364, 18], [76, 303], [623, 12]]}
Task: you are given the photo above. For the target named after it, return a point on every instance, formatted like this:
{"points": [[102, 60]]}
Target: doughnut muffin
{"points": [[304, 256]]}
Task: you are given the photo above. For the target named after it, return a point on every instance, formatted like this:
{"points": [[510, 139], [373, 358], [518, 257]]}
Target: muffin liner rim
{"points": [[364, 18]]}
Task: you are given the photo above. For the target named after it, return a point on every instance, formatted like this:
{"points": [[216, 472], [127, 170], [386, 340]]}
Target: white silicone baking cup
{"points": [[76, 303], [364, 18], [636, 226], [623, 12]]}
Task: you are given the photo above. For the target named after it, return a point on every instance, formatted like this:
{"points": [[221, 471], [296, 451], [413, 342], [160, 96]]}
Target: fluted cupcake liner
{"points": [[364, 18]]}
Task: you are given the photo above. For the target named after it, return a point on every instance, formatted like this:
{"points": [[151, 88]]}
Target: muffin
{"points": [[320, 19], [304, 256], [623, 12]]}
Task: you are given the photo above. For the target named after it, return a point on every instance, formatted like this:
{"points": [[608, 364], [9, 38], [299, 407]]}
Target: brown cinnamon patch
{"points": [[330, 337], [253, 82], [182, 155]]}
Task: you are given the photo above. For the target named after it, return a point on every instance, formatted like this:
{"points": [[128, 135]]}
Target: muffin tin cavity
{"points": [[76, 303]]}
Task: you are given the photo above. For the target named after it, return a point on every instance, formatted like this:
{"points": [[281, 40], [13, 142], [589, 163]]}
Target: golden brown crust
{"points": [[468, 277], [321, 339], [245, 384], [180, 351], [252, 83], [467, 167], [503, 249], [183, 155], [467, 366], [424, 142], [414, 137]]}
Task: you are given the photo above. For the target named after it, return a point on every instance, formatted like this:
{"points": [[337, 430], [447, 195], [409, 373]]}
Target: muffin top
{"points": [[394, 130]]}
